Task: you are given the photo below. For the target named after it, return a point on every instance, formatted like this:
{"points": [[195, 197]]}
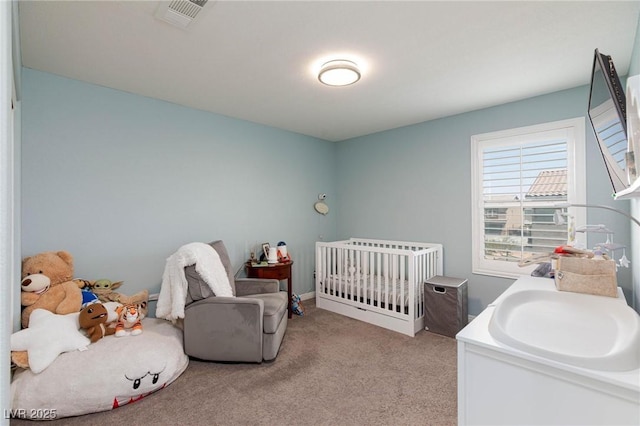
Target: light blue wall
{"points": [[413, 183], [122, 181]]}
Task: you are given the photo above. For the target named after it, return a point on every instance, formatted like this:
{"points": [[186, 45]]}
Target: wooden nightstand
{"points": [[278, 271]]}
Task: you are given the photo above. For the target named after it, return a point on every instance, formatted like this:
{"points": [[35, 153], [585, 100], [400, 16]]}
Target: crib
{"points": [[377, 281]]}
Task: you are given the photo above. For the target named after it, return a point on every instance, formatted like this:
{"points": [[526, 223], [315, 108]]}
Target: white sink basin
{"points": [[595, 332]]}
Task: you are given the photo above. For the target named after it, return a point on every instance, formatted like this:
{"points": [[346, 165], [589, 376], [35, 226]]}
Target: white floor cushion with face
{"points": [[112, 372]]}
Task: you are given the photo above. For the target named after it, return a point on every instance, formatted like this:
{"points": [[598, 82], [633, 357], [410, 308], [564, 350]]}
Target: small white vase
{"points": [[273, 255]]}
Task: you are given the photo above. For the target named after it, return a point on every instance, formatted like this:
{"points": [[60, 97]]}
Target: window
{"points": [[518, 176]]}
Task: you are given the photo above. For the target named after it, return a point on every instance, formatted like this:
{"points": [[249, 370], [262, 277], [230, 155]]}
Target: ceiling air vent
{"points": [[180, 13]]}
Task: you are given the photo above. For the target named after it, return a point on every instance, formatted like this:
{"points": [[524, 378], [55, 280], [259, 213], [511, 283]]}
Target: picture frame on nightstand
{"points": [[265, 249]]}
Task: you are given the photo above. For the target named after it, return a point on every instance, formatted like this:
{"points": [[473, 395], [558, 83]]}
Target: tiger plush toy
{"points": [[130, 317]]}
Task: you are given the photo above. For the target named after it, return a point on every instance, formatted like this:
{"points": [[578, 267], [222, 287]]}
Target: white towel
{"points": [[173, 292]]}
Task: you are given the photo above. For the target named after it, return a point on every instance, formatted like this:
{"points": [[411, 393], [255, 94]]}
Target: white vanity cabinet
{"points": [[500, 385]]}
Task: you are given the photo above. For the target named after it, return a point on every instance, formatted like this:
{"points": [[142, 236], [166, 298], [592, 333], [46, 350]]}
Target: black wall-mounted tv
{"points": [[609, 120]]}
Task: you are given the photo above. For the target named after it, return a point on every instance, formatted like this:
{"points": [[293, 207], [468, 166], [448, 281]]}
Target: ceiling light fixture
{"points": [[339, 72]]}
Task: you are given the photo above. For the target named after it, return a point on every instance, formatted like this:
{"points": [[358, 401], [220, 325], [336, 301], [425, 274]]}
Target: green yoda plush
{"points": [[104, 289]]}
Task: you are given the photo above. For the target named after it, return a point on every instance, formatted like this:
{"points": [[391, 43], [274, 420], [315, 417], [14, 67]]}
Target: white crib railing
{"points": [[378, 281]]}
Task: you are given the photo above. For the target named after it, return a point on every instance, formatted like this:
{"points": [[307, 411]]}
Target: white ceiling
{"points": [[256, 60]]}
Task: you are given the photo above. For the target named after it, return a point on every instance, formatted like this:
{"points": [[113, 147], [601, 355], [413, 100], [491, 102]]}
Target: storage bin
{"points": [[583, 275], [445, 300]]}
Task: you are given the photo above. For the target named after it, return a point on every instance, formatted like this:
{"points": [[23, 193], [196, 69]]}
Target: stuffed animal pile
{"points": [[66, 311]]}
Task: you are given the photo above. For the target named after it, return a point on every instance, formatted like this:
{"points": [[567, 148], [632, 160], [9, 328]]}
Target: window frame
{"points": [[576, 194]]}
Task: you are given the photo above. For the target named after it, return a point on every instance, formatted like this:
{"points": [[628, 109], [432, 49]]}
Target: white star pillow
{"points": [[48, 336]]}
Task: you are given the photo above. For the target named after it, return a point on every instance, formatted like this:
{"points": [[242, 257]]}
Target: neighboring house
{"points": [[527, 226], [549, 185]]}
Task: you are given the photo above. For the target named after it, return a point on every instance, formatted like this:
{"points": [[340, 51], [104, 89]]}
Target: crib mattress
{"points": [[354, 287]]}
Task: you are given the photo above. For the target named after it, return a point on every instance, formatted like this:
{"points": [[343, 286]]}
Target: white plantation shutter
{"points": [[518, 176]]}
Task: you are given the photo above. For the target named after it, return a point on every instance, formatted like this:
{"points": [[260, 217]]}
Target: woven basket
{"points": [[590, 276]]}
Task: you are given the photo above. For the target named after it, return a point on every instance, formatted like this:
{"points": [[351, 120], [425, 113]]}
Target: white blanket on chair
{"points": [[173, 291]]}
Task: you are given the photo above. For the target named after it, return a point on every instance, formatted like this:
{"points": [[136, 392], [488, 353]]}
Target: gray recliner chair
{"points": [[248, 327]]}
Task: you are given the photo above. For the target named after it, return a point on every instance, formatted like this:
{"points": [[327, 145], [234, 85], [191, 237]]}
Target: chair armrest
{"points": [[224, 310], [248, 286], [224, 329]]}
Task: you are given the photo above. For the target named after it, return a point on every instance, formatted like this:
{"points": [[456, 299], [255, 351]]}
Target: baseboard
{"points": [[307, 296]]}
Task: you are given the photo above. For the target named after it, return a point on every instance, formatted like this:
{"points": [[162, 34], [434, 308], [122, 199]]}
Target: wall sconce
{"points": [[320, 205]]}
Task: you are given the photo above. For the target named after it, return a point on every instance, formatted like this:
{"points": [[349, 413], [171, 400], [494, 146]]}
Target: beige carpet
{"points": [[331, 370]]}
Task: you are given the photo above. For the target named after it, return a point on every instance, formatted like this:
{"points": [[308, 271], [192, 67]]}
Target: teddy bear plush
{"points": [[47, 284], [140, 298]]}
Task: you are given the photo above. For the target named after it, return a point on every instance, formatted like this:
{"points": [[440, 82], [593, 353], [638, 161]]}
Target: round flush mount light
{"points": [[339, 72]]}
